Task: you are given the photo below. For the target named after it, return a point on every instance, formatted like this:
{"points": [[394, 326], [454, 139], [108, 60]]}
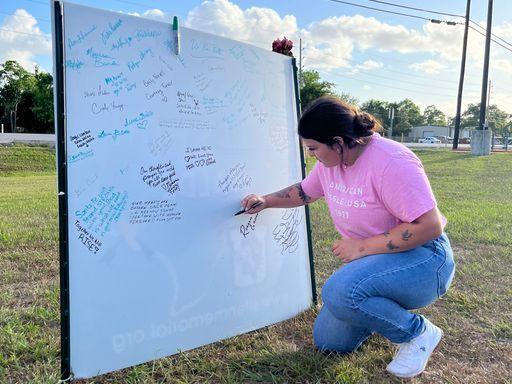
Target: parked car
{"points": [[445, 139], [429, 140]]}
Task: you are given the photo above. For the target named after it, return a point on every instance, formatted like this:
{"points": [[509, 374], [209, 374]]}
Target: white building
{"points": [[437, 131]]}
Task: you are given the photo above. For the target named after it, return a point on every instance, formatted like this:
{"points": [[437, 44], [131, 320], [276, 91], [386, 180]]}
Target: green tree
{"points": [[408, 116], [348, 98], [312, 87], [498, 120], [408, 108], [379, 109], [26, 98], [14, 82], [402, 125], [471, 116], [42, 107], [434, 116]]}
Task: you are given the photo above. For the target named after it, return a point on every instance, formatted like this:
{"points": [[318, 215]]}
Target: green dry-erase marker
{"points": [[176, 32]]}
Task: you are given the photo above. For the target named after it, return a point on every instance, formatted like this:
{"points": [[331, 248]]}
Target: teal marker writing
{"points": [[176, 32]]}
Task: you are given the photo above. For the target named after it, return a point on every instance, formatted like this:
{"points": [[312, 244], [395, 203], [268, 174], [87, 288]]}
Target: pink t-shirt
{"points": [[386, 186]]}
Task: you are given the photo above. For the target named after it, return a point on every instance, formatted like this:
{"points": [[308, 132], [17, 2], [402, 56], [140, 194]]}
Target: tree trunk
{"points": [[12, 121], [15, 117]]}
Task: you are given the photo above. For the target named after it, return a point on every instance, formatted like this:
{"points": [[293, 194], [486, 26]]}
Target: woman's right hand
{"points": [[252, 200]]}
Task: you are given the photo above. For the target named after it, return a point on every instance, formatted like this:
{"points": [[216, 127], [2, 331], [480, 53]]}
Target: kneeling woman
{"points": [[397, 256]]}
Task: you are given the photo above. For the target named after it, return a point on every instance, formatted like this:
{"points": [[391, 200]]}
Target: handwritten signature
{"points": [[250, 226], [286, 233]]}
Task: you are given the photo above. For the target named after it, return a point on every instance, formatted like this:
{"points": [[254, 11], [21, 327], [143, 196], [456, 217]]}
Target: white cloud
{"points": [[504, 31], [369, 64], [24, 44], [259, 26], [502, 100], [330, 43], [502, 65], [342, 35], [430, 67], [155, 14]]}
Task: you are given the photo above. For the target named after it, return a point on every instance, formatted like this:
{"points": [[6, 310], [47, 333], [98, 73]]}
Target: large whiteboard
{"points": [[160, 150]]}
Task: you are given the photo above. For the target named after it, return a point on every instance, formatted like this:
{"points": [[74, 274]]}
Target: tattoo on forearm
{"points": [[406, 235], [386, 234], [283, 193], [391, 246], [305, 198]]}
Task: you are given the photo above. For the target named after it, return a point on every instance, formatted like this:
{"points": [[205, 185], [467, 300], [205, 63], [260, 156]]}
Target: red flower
{"points": [[283, 46]]}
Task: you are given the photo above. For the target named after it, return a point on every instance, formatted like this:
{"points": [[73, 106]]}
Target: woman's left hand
{"points": [[348, 250]]}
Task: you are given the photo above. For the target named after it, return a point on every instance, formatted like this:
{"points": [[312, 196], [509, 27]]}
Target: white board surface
{"points": [[160, 150]]}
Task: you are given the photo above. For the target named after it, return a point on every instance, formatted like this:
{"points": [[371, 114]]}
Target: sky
{"points": [[366, 53]]}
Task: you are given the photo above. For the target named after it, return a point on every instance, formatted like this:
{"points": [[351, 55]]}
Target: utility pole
{"points": [[486, 123], [461, 79], [391, 117], [300, 63], [481, 137], [483, 102]]}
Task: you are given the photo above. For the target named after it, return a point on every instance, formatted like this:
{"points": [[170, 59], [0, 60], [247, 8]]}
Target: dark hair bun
{"points": [[364, 122], [328, 117]]}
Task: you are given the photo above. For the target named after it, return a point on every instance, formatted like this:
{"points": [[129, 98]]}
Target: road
{"points": [[28, 138], [428, 145]]}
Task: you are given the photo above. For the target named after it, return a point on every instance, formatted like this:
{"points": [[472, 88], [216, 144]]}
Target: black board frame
{"points": [[62, 180]]}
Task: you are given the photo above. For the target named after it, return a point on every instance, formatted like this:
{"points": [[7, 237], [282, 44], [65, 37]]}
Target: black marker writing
{"points": [[285, 233]]}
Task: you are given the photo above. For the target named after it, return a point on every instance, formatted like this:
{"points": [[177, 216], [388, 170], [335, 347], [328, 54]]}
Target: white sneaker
{"points": [[411, 358]]}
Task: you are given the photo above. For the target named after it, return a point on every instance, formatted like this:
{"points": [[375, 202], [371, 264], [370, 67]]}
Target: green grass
{"points": [[26, 160], [473, 193]]}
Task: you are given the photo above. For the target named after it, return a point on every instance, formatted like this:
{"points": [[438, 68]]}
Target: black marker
{"points": [[253, 206]]}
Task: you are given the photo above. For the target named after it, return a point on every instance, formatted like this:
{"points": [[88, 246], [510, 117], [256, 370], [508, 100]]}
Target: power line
{"points": [[416, 16], [38, 2], [415, 9], [33, 34], [390, 86], [493, 34], [438, 13], [380, 10], [23, 33], [404, 73], [415, 75], [394, 13], [394, 79], [424, 77], [405, 81], [494, 41], [133, 3], [264, 42], [27, 17]]}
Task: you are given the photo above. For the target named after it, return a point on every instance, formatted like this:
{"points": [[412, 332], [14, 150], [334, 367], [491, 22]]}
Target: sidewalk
{"points": [[27, 138]]}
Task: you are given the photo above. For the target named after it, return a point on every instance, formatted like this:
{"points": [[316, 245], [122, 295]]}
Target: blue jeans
{"points": [[375, 294]]}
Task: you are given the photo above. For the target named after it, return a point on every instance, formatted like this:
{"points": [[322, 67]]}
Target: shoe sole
{"points": [[424, 365]]}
